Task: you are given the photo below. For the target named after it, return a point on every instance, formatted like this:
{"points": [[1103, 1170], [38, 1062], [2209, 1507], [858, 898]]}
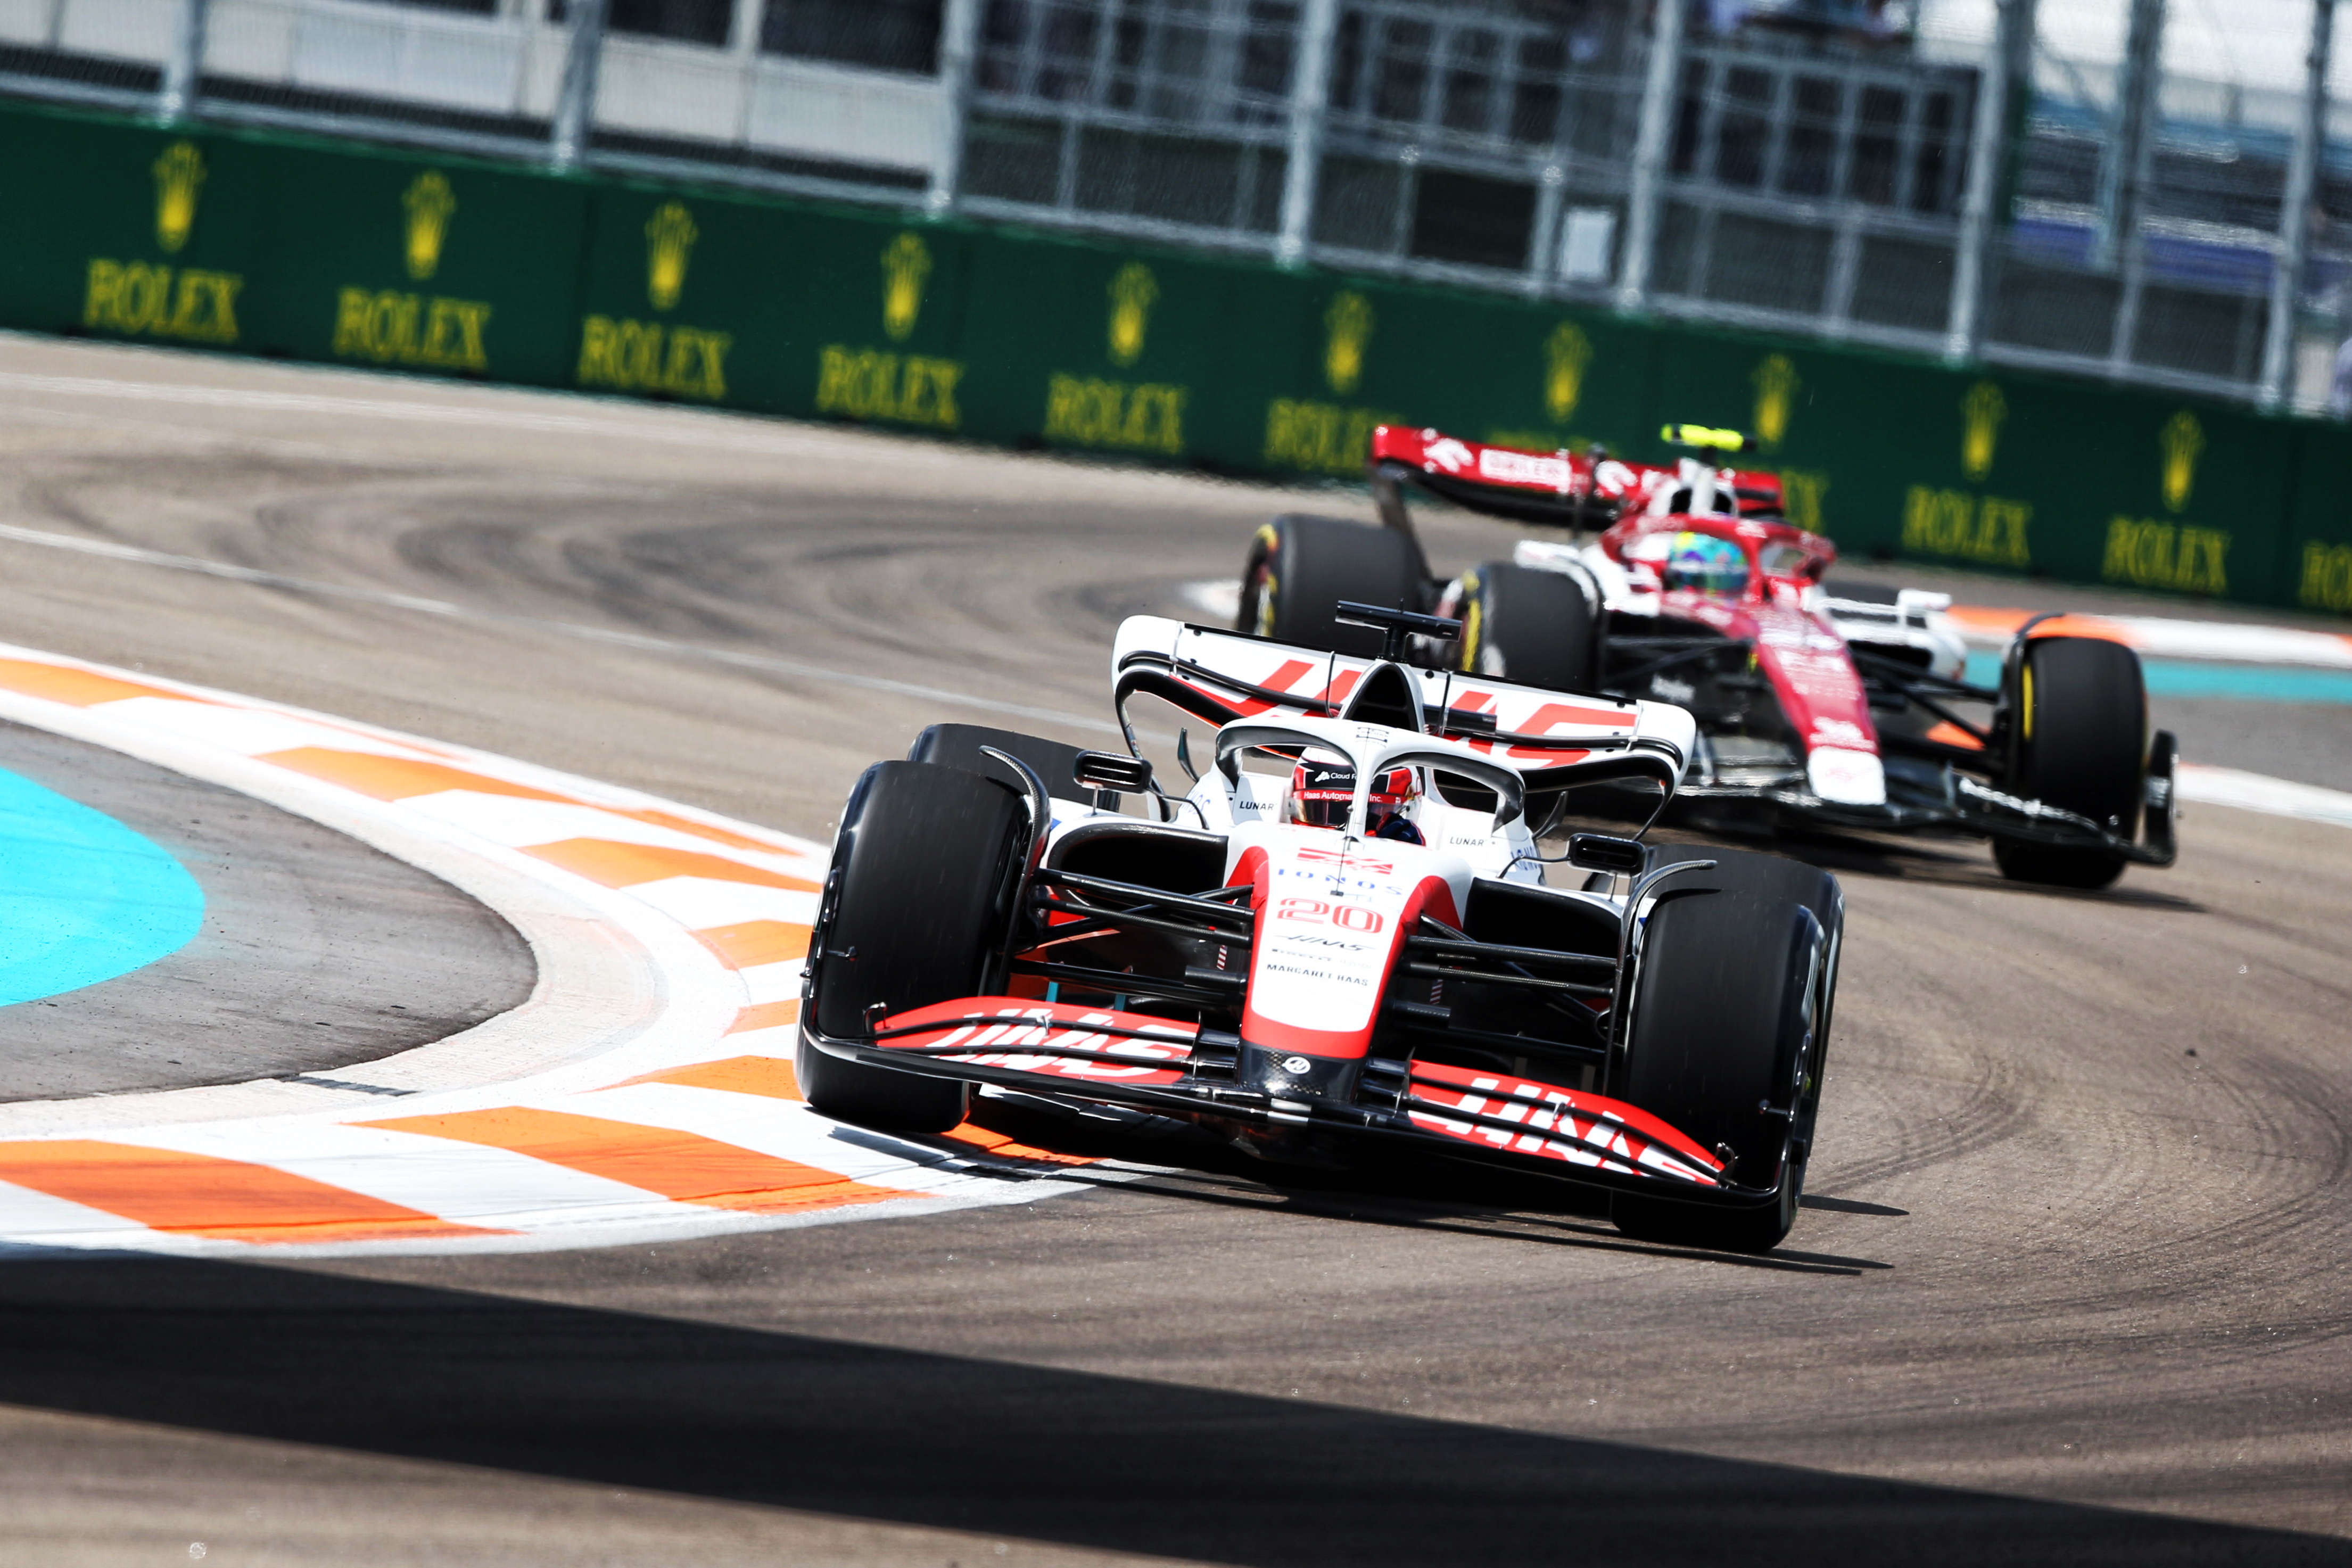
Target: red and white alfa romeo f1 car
{"points": [[1340, 942], [1810, 708]]}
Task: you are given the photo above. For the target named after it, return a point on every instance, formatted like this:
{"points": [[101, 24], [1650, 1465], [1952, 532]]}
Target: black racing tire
{"points": [[1300, 567], [915, 912], [1532, 626], [2079, 719], [959, 746], [1729, 1023]]}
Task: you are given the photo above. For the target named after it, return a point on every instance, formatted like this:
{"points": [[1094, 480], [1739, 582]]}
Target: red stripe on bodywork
{"points": [[1335, 691], [1015, 1032], [1637, 1139]]}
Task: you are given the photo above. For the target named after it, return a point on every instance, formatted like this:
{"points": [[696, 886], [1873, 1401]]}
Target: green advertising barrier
{"points": [[2319, 541], [2006, 473], [454, 269], [288, 248], [450, 267]]}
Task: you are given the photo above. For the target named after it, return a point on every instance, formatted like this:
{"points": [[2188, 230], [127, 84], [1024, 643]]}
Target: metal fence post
{"points": [[1988, 172], [1646, 192], [1310, 95], [2137, 79], [2295, 225], [959, 41], [183, 72], [2123, 184], [1543, 236], [575, 102]]}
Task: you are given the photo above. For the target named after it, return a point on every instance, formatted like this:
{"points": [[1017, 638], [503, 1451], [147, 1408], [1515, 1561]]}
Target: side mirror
{"points": [[1113, 771], [1601, 852]]}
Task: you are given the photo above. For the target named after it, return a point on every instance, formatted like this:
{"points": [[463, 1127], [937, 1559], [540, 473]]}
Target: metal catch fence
{"points": [[2112, 188]]}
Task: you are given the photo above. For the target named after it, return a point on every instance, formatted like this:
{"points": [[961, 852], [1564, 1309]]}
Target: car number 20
{"points": [[1347, 917]]}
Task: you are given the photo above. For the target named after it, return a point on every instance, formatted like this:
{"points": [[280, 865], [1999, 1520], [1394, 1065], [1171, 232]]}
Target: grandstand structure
{"points": [[2152, 191]]}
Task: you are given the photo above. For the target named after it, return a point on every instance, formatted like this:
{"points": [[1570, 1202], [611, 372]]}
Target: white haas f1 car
{"points": [[1341, 942], [1810, 708]]}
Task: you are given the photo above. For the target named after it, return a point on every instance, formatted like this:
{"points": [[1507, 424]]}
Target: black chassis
{"points": [[1930, 785], [1139, 943]]}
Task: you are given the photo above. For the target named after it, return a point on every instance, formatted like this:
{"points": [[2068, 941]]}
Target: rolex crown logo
{"points": [[179, 175], [1349, 322], [1981, 411], [1566, 353], [1776, 386], [429, 205], [1132, 294], [2182, 441], [905, 262], [669, 239]]}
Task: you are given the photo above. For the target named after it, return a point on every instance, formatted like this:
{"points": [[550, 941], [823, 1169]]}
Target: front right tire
{"points": [[2078, 711]]}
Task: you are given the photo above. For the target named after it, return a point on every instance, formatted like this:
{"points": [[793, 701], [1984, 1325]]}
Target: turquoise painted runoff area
{"points": [[2184, 678], [82, 898]]}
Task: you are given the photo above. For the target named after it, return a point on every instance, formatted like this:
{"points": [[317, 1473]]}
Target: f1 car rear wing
{"points": [[1553, 739], [1564, 488]]}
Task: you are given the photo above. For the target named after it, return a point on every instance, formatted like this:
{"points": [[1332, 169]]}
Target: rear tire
{"points": [[1300, 567], [2079, 709], [915, 912], [1527, 625], [1731, 1015]]}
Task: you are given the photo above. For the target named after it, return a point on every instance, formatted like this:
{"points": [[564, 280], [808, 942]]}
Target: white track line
{"points": [[2166, 636], [2211, 786]]}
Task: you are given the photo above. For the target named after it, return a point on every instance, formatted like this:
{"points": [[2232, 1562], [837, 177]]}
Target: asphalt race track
{"points": [[2072, 1284], [316, 952]]}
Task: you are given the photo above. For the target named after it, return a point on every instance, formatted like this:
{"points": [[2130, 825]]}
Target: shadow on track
{"points": [[1112, 1463], [1401, 1192]]}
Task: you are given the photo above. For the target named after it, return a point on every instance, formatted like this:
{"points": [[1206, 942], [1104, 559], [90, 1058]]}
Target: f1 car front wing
{"points": [[1067, 1051]]}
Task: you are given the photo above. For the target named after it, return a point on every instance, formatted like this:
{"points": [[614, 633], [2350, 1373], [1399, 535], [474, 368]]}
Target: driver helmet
{"points": [[1702, 562], [1321, 791]]}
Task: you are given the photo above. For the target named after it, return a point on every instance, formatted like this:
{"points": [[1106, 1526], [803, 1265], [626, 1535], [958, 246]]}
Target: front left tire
{"points": [[1726, 1033], [916, 909]]}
